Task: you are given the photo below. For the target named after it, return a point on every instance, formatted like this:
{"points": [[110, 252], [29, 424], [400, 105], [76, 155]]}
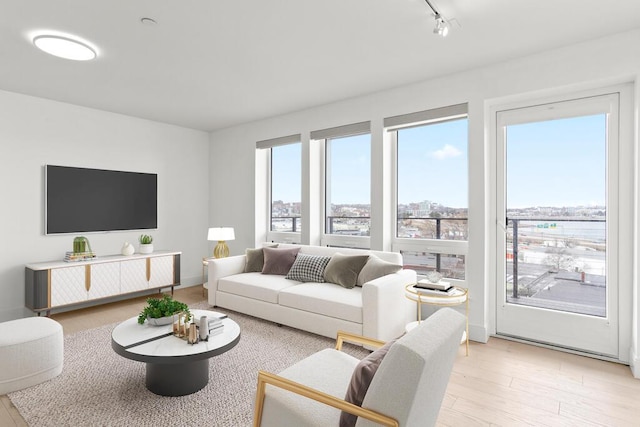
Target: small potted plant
{"points": [[146, 243], [161, 311]]}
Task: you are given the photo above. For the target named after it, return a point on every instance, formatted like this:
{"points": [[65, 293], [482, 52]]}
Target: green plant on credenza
{"points": [[163, 307], [145, 239]]}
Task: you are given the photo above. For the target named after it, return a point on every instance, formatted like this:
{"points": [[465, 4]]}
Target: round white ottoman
{"points": [[31, 352]]}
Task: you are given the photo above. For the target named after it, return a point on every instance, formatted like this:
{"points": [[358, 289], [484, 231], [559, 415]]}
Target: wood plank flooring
{"points": [[501, 383]]}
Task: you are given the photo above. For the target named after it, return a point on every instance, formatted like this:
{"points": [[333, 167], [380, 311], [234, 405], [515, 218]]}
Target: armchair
{"points": [[407, 389]]}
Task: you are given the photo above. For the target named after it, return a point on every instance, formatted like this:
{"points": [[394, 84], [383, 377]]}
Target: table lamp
{"points": [[221, 234]]}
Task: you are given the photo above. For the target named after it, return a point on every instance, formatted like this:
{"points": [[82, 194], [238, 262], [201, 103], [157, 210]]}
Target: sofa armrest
{"points": [[385, 308], [223, 267]]}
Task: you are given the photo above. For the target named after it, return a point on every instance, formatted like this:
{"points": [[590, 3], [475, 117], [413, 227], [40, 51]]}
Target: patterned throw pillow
{"points": [[308, 268]]}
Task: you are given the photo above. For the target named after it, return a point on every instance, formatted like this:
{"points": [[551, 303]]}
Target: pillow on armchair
{"points": [[360, 381]]}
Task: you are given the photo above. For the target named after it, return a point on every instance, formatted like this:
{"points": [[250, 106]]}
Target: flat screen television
{"points": [[81, 200]]}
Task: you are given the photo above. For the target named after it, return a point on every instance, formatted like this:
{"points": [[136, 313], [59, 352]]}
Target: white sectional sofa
{"points": [[377, 309]]}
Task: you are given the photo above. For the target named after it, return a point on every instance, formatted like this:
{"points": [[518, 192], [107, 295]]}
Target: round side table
{"points": [[457, 297]]}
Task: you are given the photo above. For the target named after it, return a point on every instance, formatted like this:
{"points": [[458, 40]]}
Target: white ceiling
{"points": [[210, 64]]}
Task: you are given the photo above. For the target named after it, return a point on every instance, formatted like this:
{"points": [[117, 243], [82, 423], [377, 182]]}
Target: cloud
{"points": [[446, 152]]}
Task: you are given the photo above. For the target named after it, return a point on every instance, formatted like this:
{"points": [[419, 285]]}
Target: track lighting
{"points": [[442, 26]]}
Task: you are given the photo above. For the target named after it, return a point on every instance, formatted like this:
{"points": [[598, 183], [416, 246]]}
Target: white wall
{"points": [[35, 132], [599, 62]]}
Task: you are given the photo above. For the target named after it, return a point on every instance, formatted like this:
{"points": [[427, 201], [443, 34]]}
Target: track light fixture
{"points": [[442, 26]]}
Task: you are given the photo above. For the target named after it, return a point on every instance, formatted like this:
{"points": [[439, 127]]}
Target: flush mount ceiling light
{"points": [[64, 47], [442, 26]]}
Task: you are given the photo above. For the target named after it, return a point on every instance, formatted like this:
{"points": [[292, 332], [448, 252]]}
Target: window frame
{"points": [[322, 136], [436, 246], [268, 145]]}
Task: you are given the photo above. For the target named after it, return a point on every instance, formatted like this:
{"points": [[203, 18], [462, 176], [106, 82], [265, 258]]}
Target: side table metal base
{"points": [[167, 379]]}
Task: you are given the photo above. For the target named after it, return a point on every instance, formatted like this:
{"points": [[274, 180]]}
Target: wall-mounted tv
{"points": [[81, 200]]}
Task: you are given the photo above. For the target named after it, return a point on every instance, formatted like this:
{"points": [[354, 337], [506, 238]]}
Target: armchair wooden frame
{"points": [[265, 378]]}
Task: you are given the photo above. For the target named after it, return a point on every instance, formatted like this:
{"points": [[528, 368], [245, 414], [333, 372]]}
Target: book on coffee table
{"points": [[439, 286], [425, 291]]}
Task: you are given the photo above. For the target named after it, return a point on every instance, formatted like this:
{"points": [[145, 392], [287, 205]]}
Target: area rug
{"points": [[99, 388]]}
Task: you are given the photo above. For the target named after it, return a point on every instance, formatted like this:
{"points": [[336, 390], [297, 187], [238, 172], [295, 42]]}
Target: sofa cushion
{"points": [[327, 299], [308, 268], [361, 380], [279, 260], [376, 268], [344, 269], [255, 259], [255, 286]]}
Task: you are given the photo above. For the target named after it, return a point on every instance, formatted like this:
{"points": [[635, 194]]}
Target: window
{"points": [[347, 184], [282, 199], [432, 189], [285, 188]]}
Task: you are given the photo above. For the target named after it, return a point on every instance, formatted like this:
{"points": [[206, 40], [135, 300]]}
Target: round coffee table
{"points": [[174, 367]]}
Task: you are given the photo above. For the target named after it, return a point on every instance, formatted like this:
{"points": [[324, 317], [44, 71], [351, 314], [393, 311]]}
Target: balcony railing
{"points": [[286, 224], [557, 263], [433, 228]]}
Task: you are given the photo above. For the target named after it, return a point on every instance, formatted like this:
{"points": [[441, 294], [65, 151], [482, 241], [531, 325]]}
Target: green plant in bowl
{"points": [[145, 239], [163, 307]]}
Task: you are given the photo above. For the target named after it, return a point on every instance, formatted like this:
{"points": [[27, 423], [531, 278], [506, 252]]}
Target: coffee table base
{"points": [[177, 379]]}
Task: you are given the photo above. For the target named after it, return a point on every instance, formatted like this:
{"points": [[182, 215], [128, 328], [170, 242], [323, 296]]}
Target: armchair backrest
{"points": [[412, 378]]}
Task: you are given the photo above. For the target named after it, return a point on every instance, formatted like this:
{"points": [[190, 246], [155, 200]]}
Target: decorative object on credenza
{"points": [[127, 249], [82, 256], [81, 250], [163, 308], [80, 245], [221, 234], [146, 244]]}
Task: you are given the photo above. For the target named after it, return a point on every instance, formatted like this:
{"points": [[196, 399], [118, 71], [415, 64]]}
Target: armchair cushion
{"points": [[279, 260], [360, 380]]}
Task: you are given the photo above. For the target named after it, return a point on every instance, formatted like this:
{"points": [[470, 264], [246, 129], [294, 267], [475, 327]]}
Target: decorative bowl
{"points": [[159, 321]]}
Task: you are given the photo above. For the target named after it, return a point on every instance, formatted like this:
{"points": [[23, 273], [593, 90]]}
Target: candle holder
{"points": [[180, 324]]}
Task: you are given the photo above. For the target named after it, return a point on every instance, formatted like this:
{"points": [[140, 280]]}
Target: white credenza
{"points": [[58, 284]]}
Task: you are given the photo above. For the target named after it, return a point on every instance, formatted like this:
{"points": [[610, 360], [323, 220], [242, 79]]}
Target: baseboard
{"points": [[13, 313], [478, 333], [634, 363]]}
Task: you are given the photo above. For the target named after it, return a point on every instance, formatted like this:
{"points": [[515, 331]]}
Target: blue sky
{"points": [[554, 163], [557, 163]]}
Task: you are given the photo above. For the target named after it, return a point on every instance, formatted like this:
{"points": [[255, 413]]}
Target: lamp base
{"points": [[221, 250]]}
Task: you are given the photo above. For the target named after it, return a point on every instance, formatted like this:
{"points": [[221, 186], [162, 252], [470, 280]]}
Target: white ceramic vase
{"points": [[146, 249], [127, 249]]}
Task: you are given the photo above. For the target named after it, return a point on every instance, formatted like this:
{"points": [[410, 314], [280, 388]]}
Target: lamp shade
{"points": [[221, 233]]}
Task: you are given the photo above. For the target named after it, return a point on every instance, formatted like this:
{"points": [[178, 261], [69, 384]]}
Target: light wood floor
{"points": [[501, 383]]}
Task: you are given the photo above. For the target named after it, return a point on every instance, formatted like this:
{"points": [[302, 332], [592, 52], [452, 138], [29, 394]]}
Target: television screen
{"points": [[80, 200]]}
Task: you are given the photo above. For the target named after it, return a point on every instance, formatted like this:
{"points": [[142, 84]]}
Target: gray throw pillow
{"points": [[361, 380], [308, 268], [279, 260], [255, 259], [375, 268], [344, 269]]}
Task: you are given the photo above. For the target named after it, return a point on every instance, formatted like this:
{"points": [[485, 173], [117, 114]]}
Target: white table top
{"points": [[130, 332]]}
